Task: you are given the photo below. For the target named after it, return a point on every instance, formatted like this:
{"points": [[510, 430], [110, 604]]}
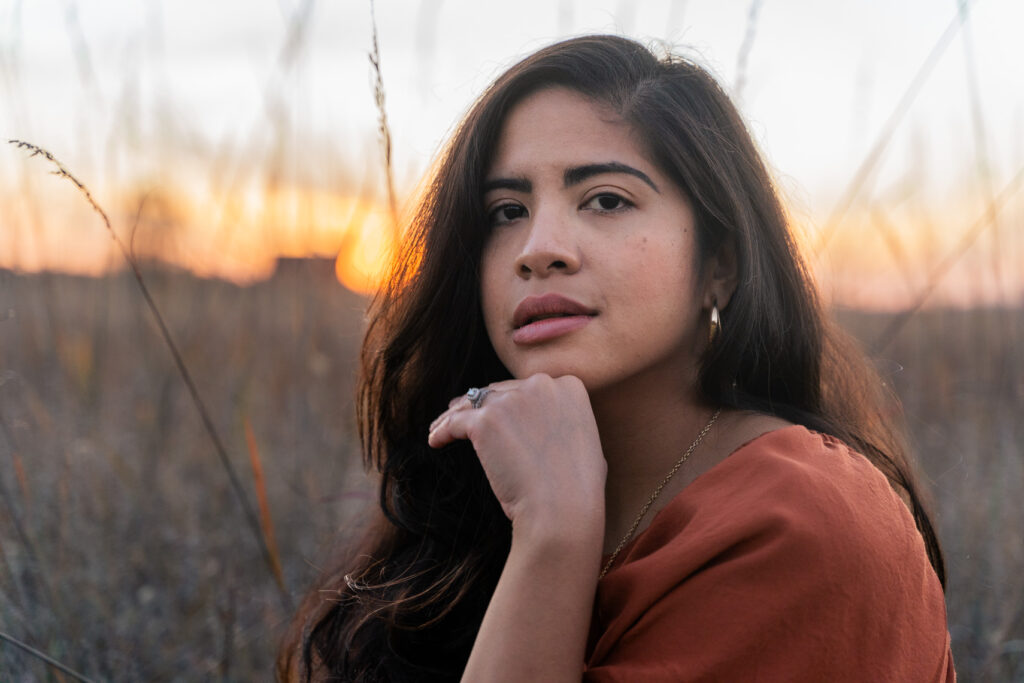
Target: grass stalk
{"points": [[986, 220], [266, 522], [19, 473], [874, 156], [382, 124], [179, 362], [743, 57], [43, 657], [41, 575]]}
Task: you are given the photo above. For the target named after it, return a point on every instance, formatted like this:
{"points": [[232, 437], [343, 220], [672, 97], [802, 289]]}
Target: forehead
{"points": [[557, 127]]}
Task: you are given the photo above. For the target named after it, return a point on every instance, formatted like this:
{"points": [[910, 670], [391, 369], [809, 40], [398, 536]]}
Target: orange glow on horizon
{"points": [[880, 258], [367, 248]]}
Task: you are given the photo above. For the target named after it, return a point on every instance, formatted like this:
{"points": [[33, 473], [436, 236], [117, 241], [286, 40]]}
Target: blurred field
{"points": [[124, 554]]}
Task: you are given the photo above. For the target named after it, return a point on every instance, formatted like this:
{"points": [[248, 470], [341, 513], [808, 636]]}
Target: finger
{"points": [[451, 426], [462, 402], [463, 399], [504, 384], [457, 405], [440, 418]]}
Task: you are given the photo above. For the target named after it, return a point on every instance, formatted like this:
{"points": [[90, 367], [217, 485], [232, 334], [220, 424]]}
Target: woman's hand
{"points": [[538, 443]]}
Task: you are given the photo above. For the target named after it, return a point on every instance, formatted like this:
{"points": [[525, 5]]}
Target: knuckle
{"points": [[570, 384], [541, 382], [485, 418]]}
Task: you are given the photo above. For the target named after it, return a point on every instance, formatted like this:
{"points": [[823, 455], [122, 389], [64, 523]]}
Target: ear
{"points": [[722, 273]]}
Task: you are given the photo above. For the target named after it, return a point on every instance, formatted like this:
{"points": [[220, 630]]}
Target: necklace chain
{"points": [[657, 492]]}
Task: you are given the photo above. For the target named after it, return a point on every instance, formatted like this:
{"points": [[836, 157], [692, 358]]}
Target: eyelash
{"points": [[624, 204], [493, 216]]}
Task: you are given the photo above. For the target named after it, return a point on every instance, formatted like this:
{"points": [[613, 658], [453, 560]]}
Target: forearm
{"points": [[535, 628]]}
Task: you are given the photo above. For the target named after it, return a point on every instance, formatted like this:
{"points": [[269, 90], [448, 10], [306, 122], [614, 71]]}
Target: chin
{"points": [[585, 374]]}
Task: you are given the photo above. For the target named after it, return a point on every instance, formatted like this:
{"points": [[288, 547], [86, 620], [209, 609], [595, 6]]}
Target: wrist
{"points": [[578, 532]]}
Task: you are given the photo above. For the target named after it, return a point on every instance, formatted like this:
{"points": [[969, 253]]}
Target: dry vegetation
{"points": [[124, 554], [960, 376]]}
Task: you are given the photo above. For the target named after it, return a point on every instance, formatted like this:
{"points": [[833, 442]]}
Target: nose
{"points": [[551, 247]]}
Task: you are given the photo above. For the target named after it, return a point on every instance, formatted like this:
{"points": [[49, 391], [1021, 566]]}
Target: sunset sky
{"points": [[249, 128]]}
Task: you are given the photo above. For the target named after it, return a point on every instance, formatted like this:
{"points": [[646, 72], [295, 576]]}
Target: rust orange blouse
{"points": [[791, 560]]}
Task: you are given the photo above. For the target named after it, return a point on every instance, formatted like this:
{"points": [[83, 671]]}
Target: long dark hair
{"points": [[407, 603]]}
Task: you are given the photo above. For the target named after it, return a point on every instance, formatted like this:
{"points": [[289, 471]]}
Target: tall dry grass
{"points": [[123, 552], [125, 555]]}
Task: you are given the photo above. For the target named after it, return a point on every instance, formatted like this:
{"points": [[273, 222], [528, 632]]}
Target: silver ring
{"points": [[476, 396]]}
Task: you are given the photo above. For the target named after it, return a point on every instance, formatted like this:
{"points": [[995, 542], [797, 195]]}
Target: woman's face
{"points": [[590, 267]]}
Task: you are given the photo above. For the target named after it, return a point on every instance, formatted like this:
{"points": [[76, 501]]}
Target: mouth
{"points": [[537, 308], [542, 318]]}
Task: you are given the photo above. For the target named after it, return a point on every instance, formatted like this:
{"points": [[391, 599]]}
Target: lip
{"points": [[540, 318]]}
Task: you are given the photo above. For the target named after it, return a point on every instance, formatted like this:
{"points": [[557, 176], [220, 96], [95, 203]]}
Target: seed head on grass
{"points": [[382, 122], [179, 362], [63, 172]]}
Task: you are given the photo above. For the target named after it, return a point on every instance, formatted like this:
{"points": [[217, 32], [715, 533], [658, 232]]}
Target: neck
{"points": [[645, 428]]}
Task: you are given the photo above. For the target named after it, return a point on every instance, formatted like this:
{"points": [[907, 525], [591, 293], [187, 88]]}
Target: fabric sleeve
{"points": [[808, 578]]}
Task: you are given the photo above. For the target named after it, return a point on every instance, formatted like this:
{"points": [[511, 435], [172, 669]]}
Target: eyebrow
{"points": [[572, 176], [577, 174]]}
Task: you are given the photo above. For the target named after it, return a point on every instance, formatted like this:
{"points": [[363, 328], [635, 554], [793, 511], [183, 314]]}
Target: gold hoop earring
{"points": [[716, 324]]}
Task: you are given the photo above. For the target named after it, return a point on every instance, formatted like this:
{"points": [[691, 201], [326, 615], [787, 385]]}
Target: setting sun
{"points": [[366, 249]]}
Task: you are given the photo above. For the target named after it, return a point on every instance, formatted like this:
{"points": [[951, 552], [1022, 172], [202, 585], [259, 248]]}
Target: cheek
{"points": [[662, 284], [490, 291], [659, 264]]}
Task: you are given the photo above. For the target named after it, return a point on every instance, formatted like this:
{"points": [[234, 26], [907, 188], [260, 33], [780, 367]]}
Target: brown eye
{"points": [[607, 202], [505, 213]]}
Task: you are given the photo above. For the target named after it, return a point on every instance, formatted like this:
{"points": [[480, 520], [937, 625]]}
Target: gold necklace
{"points": [[657, 491]]}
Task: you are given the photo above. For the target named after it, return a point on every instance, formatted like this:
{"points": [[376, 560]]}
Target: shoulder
{"points": [[793, 555], [803, 491], [793, 513], [811, 494], [816, 476], [798, 468]]}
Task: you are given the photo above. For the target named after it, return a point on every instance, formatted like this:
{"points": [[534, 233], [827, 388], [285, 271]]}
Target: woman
{"points": [[669, 466]]}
